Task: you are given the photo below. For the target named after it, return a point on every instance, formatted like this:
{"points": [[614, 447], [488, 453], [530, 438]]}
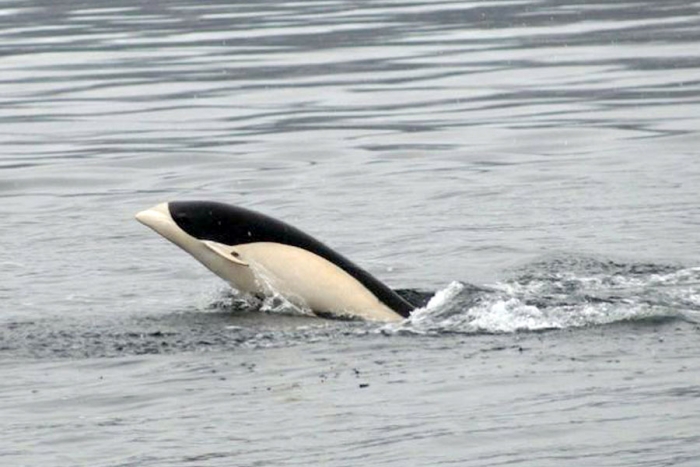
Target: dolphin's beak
{"points": [[158, 218]]}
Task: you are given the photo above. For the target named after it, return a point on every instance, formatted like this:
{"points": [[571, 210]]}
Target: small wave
{"points": [[561, 294]]}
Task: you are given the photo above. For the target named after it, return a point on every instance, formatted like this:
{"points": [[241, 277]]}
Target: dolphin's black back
{"points": [[233, 225]]}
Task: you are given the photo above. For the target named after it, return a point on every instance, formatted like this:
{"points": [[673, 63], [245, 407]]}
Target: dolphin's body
{"points": [[261, 255]]}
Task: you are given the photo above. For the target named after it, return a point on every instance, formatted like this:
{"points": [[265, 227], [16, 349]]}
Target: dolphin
{"points": [[260, 255]]}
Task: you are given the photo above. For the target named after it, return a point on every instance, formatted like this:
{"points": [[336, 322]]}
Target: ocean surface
{"points": [[527, 172]]}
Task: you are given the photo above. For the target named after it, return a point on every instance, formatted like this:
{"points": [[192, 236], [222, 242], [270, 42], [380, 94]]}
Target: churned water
{"points": [[526, 172]]}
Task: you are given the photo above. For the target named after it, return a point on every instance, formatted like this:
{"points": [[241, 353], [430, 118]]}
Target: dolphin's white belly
{"points": [[309, 280]]}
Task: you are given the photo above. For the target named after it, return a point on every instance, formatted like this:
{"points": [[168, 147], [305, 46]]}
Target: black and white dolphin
{"points": [[261, 255]]}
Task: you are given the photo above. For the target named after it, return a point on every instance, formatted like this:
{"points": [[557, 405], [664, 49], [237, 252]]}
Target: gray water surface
{"points": [[526, 171]]}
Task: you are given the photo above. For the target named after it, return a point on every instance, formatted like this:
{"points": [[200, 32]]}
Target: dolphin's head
{"points": [[210, 221], [211, 232]]}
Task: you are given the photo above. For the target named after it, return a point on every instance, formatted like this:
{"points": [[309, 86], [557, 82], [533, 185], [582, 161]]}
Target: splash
{"points": [[271, 300], [561, 294]]}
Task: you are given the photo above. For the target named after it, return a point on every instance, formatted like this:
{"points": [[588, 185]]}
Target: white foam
{"points": [[436, 303], [509, 315], [555, 301], [688, 276], [445, 296], [277, 303]]}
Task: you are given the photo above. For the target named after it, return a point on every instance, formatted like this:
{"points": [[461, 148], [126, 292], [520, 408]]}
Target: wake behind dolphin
{"points": [[261, 255]]}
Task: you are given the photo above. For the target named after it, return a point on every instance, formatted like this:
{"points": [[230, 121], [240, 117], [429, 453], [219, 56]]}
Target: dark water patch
{"points": [[174, 333], [689, 392], [418, 298]]}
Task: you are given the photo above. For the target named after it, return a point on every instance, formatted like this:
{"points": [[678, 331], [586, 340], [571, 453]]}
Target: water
{"points": [[525, 171]]}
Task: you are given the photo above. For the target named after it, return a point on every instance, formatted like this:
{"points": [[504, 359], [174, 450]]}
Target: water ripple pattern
{"points": [[526, 172]]}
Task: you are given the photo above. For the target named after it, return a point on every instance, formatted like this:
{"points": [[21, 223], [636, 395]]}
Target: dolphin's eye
{"points": [[235, 254]]}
